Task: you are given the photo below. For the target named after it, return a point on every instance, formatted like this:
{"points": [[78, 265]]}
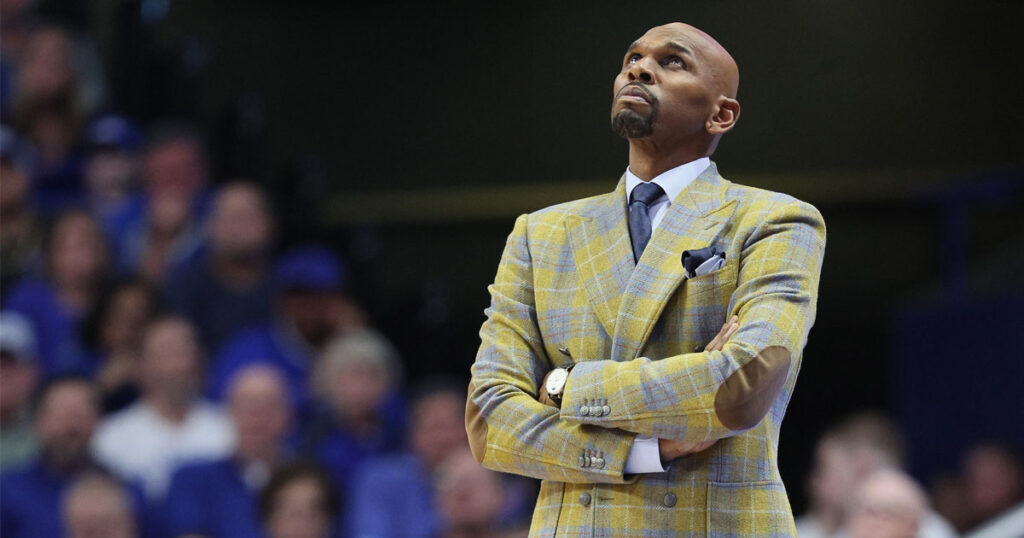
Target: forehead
{"points": [[670, 36]]}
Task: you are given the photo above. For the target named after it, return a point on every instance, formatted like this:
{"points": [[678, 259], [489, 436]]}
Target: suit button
{"points": [[595, 411], [605, 410], [598, 462], [670, 499], [585, 499], [584, 410], [582, 462]]}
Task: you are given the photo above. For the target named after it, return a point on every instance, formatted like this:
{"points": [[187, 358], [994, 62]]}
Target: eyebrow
{"points": [[669, 44]]}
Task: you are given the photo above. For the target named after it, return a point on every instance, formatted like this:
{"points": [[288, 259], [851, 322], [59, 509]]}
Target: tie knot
{"points": [[646, 193]]}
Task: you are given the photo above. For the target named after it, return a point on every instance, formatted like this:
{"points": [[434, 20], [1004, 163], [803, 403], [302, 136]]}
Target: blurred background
{"points": [[227, 232]]}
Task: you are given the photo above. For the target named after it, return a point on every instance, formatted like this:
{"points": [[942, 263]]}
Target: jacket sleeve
{"points": [[509, 430], [717, 394]]}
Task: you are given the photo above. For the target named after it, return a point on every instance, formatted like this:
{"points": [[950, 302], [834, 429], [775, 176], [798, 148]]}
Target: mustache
{"points": [[640, 86]]}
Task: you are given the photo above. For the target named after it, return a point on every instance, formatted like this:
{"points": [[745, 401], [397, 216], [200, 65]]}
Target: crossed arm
{"points": [[692, 398]]}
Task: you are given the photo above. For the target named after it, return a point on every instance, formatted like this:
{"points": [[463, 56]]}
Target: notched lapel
{"points": [[694, 220], [603, 253]]}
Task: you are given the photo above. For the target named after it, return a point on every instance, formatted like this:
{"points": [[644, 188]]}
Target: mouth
{"points": [[636, 94]]}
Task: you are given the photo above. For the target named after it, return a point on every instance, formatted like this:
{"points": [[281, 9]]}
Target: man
{"points": [[30, 505], [601, 308], [887, 504], [96, 506], [18, 376], [435, 432], [170, 425], [311, 307], [229, 287], [218, 499]]}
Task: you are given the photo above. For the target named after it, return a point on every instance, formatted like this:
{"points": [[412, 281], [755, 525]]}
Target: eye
{"points": [[674, 61], [632, 59]]}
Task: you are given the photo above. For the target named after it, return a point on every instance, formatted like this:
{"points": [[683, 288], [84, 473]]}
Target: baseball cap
{"points": [[113, 131], [310, 268], [17, 336]]}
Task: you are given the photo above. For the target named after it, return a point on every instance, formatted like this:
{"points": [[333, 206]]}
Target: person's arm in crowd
{"points": [[697, 397]]}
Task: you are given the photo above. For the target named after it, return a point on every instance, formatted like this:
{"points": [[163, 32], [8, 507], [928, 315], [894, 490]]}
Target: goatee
{"points": [[631, 124]]}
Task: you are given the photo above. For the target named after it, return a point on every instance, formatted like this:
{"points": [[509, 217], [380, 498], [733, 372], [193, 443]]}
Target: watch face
{"points": [[556, 381]]}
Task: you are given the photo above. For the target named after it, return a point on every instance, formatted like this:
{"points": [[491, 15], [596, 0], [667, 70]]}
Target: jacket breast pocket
{"points": [[749, 509], [716, 280]]}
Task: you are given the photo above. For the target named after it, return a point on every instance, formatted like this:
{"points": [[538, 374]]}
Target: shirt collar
{"points": [[673, 181]]}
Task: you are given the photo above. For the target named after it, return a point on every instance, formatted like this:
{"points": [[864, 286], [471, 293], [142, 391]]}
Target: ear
{"points": [[727, 112]]}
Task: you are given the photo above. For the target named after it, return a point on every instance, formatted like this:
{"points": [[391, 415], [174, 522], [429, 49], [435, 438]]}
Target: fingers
{"points": [[728, 329]]}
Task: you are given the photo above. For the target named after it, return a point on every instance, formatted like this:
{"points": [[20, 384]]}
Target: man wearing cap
{"points": [[18, 377], [310, 307], [598, 372], [112, 173]]}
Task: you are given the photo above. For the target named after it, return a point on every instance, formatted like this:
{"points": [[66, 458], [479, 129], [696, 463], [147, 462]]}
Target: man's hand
{"points": [[670, 449]]}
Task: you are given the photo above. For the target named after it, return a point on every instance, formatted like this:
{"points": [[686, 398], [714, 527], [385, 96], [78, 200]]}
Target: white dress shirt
{"points": [[644, 455]]}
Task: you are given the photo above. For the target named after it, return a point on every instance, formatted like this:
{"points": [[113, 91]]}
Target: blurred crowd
{"points": [[858, 488], [170, 367]]}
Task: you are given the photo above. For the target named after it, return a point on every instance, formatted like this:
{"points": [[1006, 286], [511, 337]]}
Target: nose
{"points": [[639, 71]]}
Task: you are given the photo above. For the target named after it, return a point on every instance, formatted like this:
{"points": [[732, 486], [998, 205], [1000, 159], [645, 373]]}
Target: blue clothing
{"points": [[56, 327], [268, 343], [212, 499], [342, 453], [217, 309], [30, 504], [392, 497]]}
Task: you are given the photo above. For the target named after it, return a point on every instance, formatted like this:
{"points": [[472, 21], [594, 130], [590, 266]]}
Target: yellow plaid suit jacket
{"points": [[567, 280]]}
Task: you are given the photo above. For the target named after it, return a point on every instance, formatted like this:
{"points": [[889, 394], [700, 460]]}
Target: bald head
{"points": [[675, 95], [721, 66]]}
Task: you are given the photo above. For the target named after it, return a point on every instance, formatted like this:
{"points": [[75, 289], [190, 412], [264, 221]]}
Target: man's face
{"points": [[665, 86], [438, 427], [66, 420], [17, 380], [170, 360]]}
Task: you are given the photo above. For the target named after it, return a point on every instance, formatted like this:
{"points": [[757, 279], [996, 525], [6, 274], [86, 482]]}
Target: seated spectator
{"points": [[167, 232], [358, 375], [228, 288], [76, 267], [310, 309], [48, 111], [170, 425], [18, 375], [218, 499], [845, 455], [111, 173], [299, 502], [20, 232], [110, 336], [96, 506], [469, 497], [887, 504], [437, 429], [30, 506]]}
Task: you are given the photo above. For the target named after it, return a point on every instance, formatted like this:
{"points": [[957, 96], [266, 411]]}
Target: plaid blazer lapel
{"points": [[693, 221], [604, 256]]}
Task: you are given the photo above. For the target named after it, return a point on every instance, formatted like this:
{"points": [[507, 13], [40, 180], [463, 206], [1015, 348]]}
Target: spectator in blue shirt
{"points": [[97, 506], [358, 379], [112, 169], [75, 272], [228, 288], [30, 506], [166, 233], [310, 308], [218, 499], [393, 496], [20, 230], [18, 379]]}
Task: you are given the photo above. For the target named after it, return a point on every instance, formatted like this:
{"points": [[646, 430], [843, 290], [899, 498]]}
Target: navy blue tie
{"points": [[640, 201]]}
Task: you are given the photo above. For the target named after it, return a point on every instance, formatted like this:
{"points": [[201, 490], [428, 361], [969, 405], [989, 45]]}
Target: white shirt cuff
{"points": [[644, 456]]}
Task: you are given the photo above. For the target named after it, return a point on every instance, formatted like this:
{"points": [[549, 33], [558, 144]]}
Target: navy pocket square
{"points": [[702, 261]]}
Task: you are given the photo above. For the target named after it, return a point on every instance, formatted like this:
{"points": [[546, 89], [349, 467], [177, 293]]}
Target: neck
{"points": [[648, 158], [257, 454], [173, 410], [240, 271], [482, 530]]}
